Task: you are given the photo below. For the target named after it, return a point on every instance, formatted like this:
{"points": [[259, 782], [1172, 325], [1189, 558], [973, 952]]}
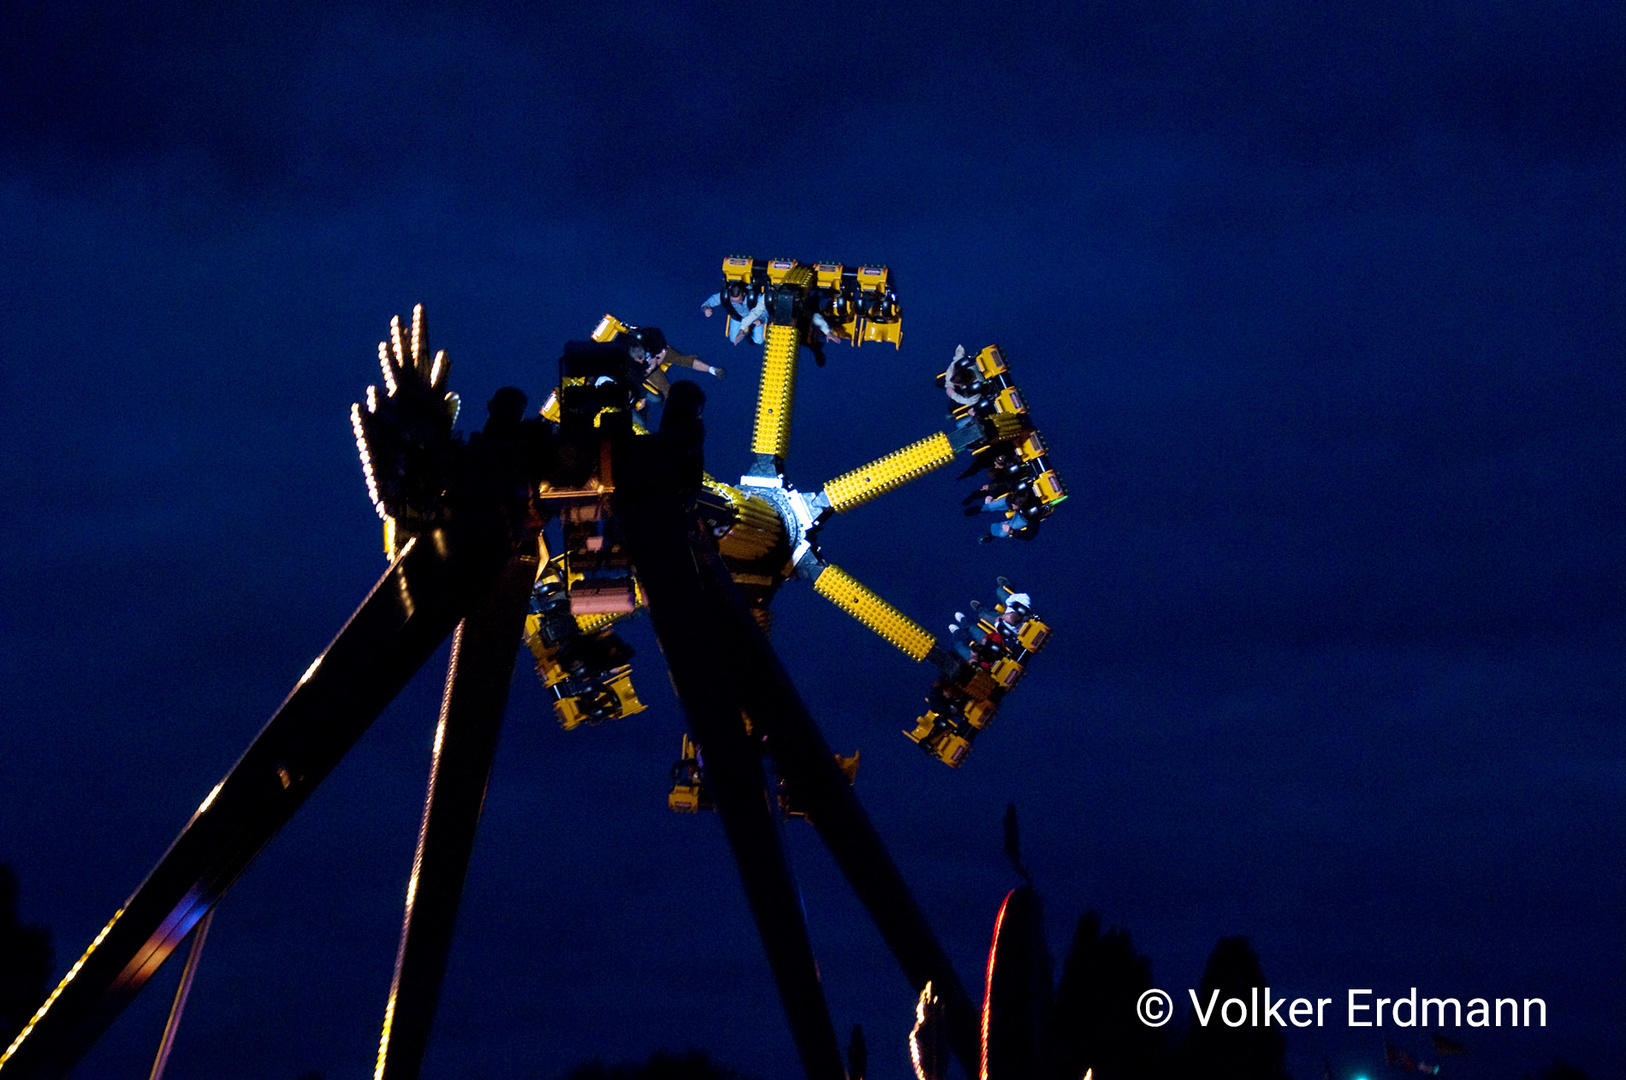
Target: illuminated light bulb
{"points": [[366, 458], [384, 364], [395, 341]]}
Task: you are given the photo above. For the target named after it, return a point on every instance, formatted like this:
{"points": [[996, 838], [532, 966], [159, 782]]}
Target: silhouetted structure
{"points": [[1217, 1051], [25, 962], [1094, 1025], [857, 1054]]}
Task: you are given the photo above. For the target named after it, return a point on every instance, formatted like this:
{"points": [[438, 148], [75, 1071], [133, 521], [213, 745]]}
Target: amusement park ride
{"points": [[548, 529]]}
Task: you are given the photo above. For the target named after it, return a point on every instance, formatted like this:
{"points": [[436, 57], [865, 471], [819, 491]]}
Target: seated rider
{"points": [[742, 314], [650, 355], [962, 382], [1022, 509], [819, 331]]}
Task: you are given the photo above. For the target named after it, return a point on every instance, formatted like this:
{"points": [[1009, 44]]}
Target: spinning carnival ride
{"points": [[639, 526]]}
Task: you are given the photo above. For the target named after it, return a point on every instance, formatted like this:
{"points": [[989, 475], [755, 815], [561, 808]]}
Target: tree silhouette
{"points": [[25, 962], [1094, 1024], [1217, 1051]]}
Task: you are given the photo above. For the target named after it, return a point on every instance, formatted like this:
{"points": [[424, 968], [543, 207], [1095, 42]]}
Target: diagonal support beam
{"points": [[803, 758], [700, 634], [403, 620], [471, 713]]}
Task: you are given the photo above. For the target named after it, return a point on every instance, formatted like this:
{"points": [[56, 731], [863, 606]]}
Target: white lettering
{"points": [[1410, 1001], [1202, 1017], [1353, 1006], [1543, 1005], [1270, 1010], [1439, 1011], [1293, 1012]]}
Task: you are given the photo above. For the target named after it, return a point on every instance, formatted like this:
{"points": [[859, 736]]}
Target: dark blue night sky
{"points": [[1322, 310]]}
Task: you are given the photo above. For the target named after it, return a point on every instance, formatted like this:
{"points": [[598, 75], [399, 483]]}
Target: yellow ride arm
{"points": [[848, 594], [892, 471]]}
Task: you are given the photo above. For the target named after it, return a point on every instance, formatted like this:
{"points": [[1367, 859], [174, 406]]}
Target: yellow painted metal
{"points": [[945, 743], [1007, 426], [772, 432], [874, 278], [738, 269], [684, 799], [892, 471], [1006, 673], [783, 269], [608, 327], [1010, 401], [1048, 487], [757, 525], [569, 713], [592, 624], [846, 593], [978, 712], [625, 695], [979, 685], [923, 726], [891, 332], [991, 362], [829, 275], [1033, 635]]}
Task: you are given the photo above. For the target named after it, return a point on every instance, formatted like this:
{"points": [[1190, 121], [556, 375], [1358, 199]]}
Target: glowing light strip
{"points": [[914, 1032], [988, 987], [417, 334], [417, 856], [384, 1040], [61, 986]]}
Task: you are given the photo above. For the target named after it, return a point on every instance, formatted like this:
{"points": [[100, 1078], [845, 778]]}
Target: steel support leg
{"points": [[699, 634], [471, 712]]}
